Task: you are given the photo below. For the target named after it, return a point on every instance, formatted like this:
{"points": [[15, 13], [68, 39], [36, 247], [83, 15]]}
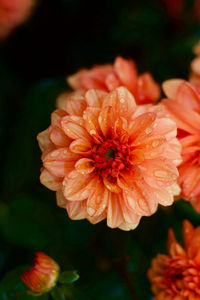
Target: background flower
{"points": [[43, 275], [183, 103], [122, 72], [13, 13], [108, 158], [176, 275]]}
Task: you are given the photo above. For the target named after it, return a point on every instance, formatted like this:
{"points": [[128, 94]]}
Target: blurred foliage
{"points": [[61, 37]]}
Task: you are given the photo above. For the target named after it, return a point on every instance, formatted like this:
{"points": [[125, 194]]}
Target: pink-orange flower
{"points": [[13, 13], [183, 103], [108, 158], [122, 73], [176, 276], [43, 275]]}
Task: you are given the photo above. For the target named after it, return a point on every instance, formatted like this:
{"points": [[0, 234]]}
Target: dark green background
{"points": [[61, 37]]}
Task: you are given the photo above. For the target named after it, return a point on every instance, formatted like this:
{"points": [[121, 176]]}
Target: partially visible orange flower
{"points": [[43, 275], [122, 73], [176, 276], [108, 158], [183, 103], [194, 77], [13, 13]]}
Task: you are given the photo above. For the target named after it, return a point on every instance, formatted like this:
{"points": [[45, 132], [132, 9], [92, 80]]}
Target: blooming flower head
{"points": [[13, 13], [108, 158], [183, 103], [43, 275], [122, 73], [176, 276]]}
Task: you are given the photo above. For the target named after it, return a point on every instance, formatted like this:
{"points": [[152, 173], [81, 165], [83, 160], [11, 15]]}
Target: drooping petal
{"points": [[97, 201], [76, 209], [44, 142], [114, 211], [60, 200], [58, 137]]}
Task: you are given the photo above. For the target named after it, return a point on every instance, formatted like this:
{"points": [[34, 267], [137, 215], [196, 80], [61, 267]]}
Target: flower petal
{"points": [[85, 165], [52, 182], [97, 201], [74, 130], [94, 98], [76, 209], [171, 86], [106, 121], [114, 211], [58, 137], [90, 117], [82, 147]]}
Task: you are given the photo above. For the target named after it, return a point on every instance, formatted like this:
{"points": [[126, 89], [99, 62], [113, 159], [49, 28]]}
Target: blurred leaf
{"points": [[68, 277], [57, 294]]}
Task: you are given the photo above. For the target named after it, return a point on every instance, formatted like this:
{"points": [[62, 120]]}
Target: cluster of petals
{"points": [[43, 275], [183, 103], [122, 73], [12, 14], [176, 276], [108, 158]]}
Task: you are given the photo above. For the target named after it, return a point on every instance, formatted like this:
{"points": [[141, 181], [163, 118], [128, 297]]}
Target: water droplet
{"points": [[100, 119], [84, 116], [122, 100], [91, 211], [155, 144], [160, 173], [148, 130], [92, 131], [54, 153]]}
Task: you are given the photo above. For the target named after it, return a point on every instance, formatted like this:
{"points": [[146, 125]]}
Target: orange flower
{"points": [[12, 14], [43, 275], [108, 158], [176, 276], [184, 106], [122, 72]]}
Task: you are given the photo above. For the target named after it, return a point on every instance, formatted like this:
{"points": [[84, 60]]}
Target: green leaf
{"points": [[68, 277], [57, 294]]}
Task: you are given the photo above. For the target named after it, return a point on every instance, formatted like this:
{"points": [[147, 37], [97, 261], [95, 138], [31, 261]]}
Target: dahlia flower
{"points": [[13, 13], [183, 104], [122, 73], [43, 275], [176, 276], [108, 158]]}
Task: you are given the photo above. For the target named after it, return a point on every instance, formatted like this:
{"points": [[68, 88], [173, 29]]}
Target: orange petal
{"points": [[195, 65], [56, 117], [188, 96], [148, 90], [74, 130], [85, 165], [60, 161], [106, 121], [52, 182], [75, 104], [114, 211], [58, 137], [94, 98], [97, 201], [122, 102], [90, 117], [76, 209], [80, 146], [159, 173], [188, 233], [60, 200], [127, 72], [141, 127], [111, 186], [112, 81], [44, 142], [171, 86], [79, 187]]}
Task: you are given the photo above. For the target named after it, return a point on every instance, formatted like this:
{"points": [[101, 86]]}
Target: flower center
{"points": [[111, 157]]}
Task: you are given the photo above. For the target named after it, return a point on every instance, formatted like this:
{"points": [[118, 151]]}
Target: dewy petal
{"points": [[165, 127], [122, 102], [113, 187], [75, 104], [152, 146], [114, 211], [106, 121], [127, 72], [80, 146], [74, 130], [131, 219], [79, 187], [97, 201], [76, 209], [52, 182], [58, 137], [60, 161], [90, 117], [159, 172], [85, 165], [94, 98], [141, 127], [171, 86]]}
